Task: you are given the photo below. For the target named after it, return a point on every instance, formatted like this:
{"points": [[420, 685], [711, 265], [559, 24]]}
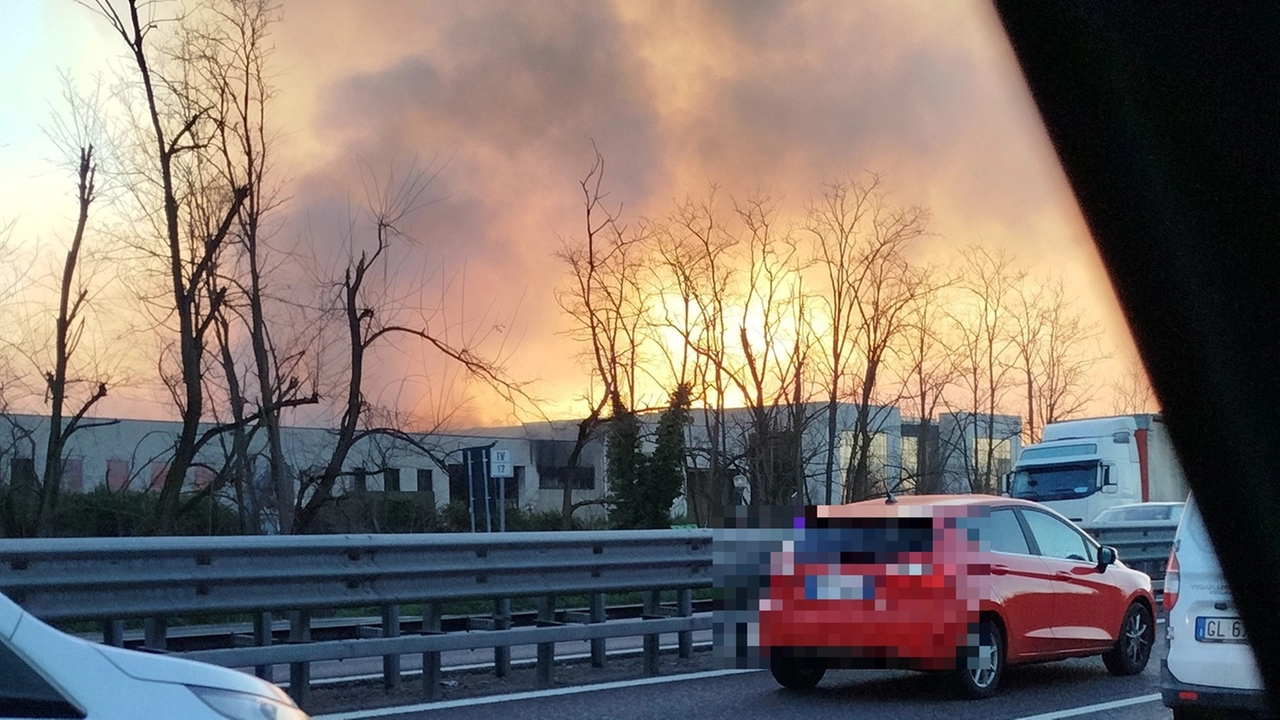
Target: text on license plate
{"points": [[1220, 629]]}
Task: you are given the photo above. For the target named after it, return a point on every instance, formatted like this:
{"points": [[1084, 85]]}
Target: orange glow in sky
{"points": [[508, 97]]}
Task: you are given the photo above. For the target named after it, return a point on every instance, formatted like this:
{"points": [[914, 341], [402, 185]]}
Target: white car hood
{"points": [[163, 668]]}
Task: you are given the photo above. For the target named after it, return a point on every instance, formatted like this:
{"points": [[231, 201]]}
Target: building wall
{"points": [[132, 453]]}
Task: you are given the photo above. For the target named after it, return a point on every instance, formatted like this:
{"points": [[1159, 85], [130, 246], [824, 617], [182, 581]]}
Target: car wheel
{"points": [[797, 673], [981, 663], [1132, 650]]}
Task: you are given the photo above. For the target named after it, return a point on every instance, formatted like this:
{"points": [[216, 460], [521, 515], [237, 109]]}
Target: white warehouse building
{"points": [[533, 457]]}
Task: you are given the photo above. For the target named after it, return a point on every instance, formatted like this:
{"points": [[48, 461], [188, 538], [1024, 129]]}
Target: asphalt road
{"points": [[1073, 688]]}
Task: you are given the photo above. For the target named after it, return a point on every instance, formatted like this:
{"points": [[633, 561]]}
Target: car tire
{"points": [[797, 673], [980, 664], [1133, 645]]}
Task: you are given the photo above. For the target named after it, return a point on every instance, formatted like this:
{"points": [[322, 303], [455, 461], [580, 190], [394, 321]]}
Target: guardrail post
{"points": [[598, 654], [391, 663], [300, 672], [431, 660], [262, 636], [502, 621], [685, 607], [155, 631], [652, 600], [546, 651], [113, 633]]}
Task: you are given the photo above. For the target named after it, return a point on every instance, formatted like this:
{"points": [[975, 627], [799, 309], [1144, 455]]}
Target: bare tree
{"points": [[369, 316], [194, 211], [886, 286], [236, 69], [1056, 348], [74, 131], [834, 224], [696, 255], [606, 302], [981, 331], [1132, 393], [68, 329], [927, 369], [774, 346]]}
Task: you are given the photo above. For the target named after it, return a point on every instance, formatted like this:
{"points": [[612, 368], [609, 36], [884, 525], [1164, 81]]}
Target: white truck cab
{"points": [[1082, 467]]}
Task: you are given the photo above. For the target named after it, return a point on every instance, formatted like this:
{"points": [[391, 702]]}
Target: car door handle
{"points": [[999, 569], [1063, 575]]}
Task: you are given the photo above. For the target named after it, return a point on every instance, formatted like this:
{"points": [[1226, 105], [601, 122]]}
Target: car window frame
{"points": [[55, 703], [1026, 537], [1093, 545]]}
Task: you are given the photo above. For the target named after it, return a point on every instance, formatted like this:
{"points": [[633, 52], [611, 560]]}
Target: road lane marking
{"points": [[1099, 707], [528, 695]]}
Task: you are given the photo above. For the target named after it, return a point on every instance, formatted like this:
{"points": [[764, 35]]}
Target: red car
{"points": [[958, 583]]}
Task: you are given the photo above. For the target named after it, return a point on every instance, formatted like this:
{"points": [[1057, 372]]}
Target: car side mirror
{"points": [[1106, 556]]}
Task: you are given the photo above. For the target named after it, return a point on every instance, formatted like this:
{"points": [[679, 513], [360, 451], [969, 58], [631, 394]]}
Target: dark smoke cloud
{"points": [[508, 97]]}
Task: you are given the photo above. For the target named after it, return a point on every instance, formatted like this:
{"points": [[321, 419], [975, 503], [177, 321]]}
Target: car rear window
{"points": [[864, 541]]}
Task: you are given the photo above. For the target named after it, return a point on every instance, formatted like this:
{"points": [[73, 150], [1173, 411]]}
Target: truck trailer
{"points": [[1082, 467]]}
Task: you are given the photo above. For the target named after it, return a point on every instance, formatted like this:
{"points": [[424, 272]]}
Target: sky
{"points": [[505, 100]]}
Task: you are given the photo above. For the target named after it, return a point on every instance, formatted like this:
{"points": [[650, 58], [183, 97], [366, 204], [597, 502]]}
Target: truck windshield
{"points": [[1055, 482]]}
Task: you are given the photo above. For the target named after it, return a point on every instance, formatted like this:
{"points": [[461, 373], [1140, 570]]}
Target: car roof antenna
{"points": [[889, 499]]}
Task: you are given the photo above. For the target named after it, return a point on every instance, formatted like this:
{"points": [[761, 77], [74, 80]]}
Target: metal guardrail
{"points": [[1141, 545], [209, 636], [104, 578], [112, 579]]}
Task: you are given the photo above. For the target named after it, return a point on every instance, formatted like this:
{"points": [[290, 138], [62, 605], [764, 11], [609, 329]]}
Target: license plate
{"points": [[1220, 629], [839, 587]]}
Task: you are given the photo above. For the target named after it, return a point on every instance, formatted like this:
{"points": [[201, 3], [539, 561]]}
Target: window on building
{"points": [[458, 483], [910, 455], [551, 458], [1000, 453], [118, 473], [158, 471], [73, 474], [391, 480], [22, 471], [553, 478], [877, 452], [360, 480], [426, 485], [202, 477]]}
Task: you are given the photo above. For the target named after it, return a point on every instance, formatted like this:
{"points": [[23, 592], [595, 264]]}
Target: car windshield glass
{"points": [[1055, 482], [25, 693], [865, 541]]}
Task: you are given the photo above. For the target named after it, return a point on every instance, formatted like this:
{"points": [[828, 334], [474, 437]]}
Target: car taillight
{"points": [[1171, 581]]}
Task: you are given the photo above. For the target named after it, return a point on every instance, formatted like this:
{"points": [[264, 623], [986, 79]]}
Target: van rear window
{"points": [[864, 541]]}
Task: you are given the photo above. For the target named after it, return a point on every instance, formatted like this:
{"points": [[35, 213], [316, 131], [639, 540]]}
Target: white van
{"points": [[45, 673], [1210, 669]]}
